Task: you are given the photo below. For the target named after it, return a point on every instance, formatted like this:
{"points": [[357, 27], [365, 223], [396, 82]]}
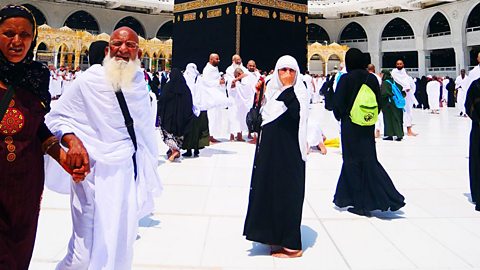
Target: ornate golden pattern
{"points": [[75, 42], [274, 15], [200, 4], [257, 12], [278, 4], [189, 17], [214, 13], [287, 17]]}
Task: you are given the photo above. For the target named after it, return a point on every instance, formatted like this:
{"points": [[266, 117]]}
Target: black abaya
{"points": [[472, 107], [363, 183], [278, 181]]}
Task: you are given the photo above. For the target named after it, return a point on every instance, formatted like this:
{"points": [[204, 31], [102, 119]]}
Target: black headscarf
{"points": [[355, 59], [175, 105], [28, 75], [96, 52]]}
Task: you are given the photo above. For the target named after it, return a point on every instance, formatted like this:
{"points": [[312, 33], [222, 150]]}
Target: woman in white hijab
{"points": [[278, 179]]}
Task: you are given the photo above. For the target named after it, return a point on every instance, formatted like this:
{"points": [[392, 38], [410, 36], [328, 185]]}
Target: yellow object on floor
{"points": [[335, 142]]}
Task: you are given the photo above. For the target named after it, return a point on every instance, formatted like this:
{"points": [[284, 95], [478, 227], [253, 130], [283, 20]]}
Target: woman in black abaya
{"points": [[363, 182], [175, 111], [278, 179], [472, 107]]}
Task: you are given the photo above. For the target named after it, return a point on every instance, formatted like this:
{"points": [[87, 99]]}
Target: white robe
{"points": [[212, 97], [242, 96], [462, 87], [433, 92], [107, 205], [473, 75], [401, 77], [191, 74]]}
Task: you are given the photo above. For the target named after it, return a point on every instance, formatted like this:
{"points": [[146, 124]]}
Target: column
{"points": [[375, 59], [150, 64], [55, 58], [77, 59], [422, 62], [462, 58]]}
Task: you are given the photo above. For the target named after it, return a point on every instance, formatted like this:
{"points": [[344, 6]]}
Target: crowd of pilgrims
{"points": [[191, 111]]}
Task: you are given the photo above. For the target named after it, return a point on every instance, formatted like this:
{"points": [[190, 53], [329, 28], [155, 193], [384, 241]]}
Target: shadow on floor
{"points": [[386, 215], [148, 222], [309, 238], [469, 197]]}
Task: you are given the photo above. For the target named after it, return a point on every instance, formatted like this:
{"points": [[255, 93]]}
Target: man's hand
{"points": [[78, 175], [222, 81], [77, 156]]}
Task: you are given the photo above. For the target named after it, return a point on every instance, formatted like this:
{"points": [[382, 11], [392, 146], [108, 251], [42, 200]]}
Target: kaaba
{"points": [[262, 30]]}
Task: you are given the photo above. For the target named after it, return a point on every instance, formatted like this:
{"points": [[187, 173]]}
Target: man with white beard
{"points": [[236, 63], [211, 94], [401, 77], [119, 190], [242, 93]]}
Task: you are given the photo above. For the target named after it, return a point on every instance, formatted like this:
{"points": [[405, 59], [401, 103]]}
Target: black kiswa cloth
{"points": [[129, 124]]}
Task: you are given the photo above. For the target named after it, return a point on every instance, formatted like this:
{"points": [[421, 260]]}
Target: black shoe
{"points": [[477, 207], [399, 139], [360, 212], [187, 154], [389, 138], [196, 153]]}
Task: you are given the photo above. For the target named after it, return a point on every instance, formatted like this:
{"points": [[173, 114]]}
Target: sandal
{"points": [[286, 253]]}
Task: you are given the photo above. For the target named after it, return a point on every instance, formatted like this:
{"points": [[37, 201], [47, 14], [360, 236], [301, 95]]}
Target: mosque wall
{"points": [[458, 40]]}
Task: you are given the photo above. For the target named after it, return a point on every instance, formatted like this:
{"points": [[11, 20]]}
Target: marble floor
{"points": [[199, 218]]}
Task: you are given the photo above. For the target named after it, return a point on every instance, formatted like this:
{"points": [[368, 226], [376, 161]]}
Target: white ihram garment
{"points": [[107, 205]]}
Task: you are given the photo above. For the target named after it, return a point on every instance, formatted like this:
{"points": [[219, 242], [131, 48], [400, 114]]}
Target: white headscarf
{"points": [[192, 70], [274, 108]]}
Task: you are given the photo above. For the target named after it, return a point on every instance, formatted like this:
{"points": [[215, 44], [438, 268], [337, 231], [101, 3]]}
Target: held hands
{"points": [[76, 158], [222, 81]]}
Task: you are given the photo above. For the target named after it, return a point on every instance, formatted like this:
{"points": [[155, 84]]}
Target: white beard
{"points": [[120, 73]]}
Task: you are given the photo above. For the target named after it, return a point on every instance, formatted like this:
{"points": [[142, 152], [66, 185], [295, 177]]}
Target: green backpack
{"points": [[364, 111]]}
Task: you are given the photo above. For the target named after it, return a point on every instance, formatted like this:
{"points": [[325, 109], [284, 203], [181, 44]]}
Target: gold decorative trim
{"points": [[246, 10], [201, 15], [274, 15], [257, 12], [276, 4], [238, 11], [200, 4], [287, 17], [213, 13], [189, 17], [227, 11]]}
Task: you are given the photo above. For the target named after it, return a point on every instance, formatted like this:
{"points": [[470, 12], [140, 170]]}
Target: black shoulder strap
{"points": [[5, 101], [129, 124]]}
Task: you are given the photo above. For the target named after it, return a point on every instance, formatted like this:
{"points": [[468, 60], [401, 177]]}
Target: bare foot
{"points": [[377, 133], [285, 253], [175, 154], [213, 140], [322, 148], [239, 137], [232, 138], [410, 132]]}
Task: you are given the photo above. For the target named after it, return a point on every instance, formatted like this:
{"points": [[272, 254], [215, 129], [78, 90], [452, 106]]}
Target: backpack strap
{"points": [[129, 124]]}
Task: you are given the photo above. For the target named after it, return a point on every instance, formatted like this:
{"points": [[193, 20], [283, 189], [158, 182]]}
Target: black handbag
{"points": [[254, 117], [254, 120]]}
